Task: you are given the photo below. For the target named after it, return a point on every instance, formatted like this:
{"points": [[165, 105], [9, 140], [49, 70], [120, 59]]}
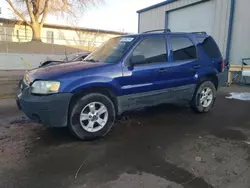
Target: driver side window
{"points": [[150, 50]]}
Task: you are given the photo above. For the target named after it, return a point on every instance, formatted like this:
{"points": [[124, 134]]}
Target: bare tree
{"points": [[34, 12]]}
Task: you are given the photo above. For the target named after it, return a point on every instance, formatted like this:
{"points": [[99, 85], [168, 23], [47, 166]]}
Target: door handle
{"points": [[163, 70], [196, 66]]}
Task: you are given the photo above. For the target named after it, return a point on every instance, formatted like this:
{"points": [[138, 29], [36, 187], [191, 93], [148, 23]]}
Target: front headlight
{"points": [[45, 87]]}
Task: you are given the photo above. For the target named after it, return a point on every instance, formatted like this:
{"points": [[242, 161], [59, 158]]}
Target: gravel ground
{"points": [[167, 146]]}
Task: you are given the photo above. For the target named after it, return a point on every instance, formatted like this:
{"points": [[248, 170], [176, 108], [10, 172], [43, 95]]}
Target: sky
{"points": [[117, 15]]}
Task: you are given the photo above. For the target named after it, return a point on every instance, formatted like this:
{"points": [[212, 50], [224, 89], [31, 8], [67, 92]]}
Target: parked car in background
{"points": [[69, 58], [124, 74]]}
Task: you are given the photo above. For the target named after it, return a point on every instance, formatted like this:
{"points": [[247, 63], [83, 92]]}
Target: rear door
{"points": [[183, 65]]}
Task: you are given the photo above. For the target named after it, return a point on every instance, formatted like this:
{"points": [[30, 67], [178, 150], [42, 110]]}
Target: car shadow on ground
{"points": [[56, 136]]}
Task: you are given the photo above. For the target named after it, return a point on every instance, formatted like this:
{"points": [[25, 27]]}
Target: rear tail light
{"points": [[223, 65]]}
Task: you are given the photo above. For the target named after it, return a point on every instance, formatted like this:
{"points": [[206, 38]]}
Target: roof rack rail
{"points": [[164, 30], [200, 32]]}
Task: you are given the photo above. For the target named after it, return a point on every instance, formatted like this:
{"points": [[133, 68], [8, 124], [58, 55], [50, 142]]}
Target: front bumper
{"points": [[50, 110]]}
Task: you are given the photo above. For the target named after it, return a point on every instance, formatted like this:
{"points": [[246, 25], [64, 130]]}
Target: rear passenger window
{"points": [[209, 46], [182, 48]]}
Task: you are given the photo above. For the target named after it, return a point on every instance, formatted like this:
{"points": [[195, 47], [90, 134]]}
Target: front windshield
{"points": [[71, 57], [111, 51]]}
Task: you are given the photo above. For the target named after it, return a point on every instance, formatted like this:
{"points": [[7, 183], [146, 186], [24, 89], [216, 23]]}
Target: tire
{"points": [[197, 103], [81, 129]]}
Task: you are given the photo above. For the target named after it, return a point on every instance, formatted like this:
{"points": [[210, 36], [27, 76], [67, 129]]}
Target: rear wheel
{"points": [[204, 97], [92, 117]]}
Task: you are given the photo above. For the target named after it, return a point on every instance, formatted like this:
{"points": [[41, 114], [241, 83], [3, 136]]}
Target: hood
{"points": [[54, 71]]}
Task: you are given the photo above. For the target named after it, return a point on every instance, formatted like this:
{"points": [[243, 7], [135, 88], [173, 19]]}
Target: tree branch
{"points": [[17, 12], [38, 7], [40, 13], [45, 11], [35, 9], [32, 17]]}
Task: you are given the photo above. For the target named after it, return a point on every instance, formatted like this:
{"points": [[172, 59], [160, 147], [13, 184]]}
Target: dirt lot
{"points": [[167, 147]]}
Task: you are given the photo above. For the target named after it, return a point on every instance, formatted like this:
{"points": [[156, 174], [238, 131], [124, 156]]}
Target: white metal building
{"points": [[228, 21]]}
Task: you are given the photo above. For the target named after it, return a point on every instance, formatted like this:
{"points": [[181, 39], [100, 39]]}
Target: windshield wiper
{"points": [[91, 60]]}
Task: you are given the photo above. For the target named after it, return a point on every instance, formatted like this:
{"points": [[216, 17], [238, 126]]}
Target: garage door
{"points": [[198, 17]]}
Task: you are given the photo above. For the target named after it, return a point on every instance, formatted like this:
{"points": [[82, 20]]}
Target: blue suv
{"points": [[126, 73]]}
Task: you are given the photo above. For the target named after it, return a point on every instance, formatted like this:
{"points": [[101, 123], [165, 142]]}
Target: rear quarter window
{"points": [[209, 46]]}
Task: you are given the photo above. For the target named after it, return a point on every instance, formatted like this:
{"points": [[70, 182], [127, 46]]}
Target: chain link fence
{"points": [[19, 52], [14, 43]]}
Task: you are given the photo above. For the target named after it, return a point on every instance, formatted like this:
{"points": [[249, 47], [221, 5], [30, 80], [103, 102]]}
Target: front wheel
{"points": [[92, 116], [204, 97]]}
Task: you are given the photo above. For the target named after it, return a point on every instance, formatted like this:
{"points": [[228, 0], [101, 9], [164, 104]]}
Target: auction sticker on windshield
{"points": [[127, 39]]}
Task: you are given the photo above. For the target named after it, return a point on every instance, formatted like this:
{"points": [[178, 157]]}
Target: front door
{"points": [[182, 67], [142, 82]]}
